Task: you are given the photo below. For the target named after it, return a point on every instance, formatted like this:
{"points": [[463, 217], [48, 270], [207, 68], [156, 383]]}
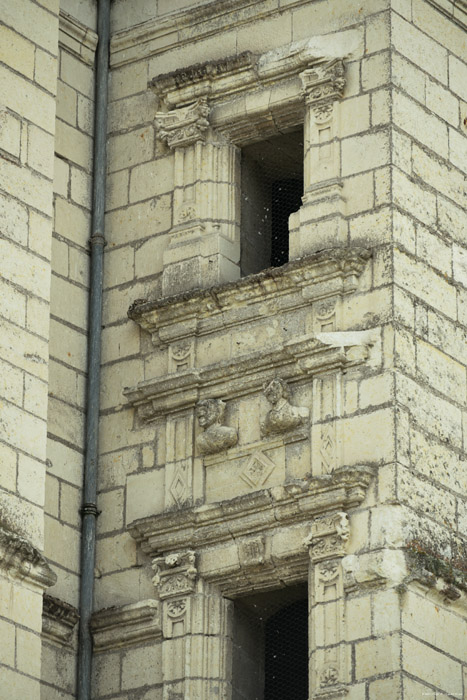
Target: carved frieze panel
{"points": [[257, 470], [175, 574], [185, 125]]}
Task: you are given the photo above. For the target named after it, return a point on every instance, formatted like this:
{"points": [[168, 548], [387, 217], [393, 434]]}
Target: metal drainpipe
{"points": [[89, 509]]}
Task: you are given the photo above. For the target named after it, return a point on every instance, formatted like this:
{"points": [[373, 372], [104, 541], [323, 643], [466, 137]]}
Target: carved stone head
{"points": [[210, 411], [275, 390]]}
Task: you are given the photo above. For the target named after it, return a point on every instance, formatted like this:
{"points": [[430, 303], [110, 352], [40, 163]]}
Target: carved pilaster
{"points": [[179, 460], [327, 670], [195, 630], [323, 202], [204, 247]]}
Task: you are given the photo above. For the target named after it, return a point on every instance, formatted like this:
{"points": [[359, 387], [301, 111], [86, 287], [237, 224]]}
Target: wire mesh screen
{"points": [[286, 653], [272, 187]]}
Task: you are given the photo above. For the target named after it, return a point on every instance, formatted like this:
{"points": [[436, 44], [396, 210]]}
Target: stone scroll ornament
{"points": [[283, 416], [216, 437]]}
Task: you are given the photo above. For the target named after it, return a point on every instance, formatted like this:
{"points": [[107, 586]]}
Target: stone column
{"points": [[196, 624], [319, 222], [204, 247], [328, 663]]}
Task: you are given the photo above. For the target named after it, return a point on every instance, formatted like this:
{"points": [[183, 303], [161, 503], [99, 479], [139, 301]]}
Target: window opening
{"points": [[272, 187], [270, 646]]}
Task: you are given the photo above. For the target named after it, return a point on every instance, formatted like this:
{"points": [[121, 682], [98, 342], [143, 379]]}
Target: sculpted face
{"points": [[274, 391], [209, 412]]}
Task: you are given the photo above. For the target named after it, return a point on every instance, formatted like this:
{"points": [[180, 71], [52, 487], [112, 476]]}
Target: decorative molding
{"points": [[118, 627], [77, 38], [216, 437], [297, 359], [175, 574], [328, 537], [185, 125], [58, 620], [21, 560], [265, 510]]}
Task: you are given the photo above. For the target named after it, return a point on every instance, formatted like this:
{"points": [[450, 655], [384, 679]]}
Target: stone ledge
{"points": [[58, 620], [78, 39], [114, 628]]}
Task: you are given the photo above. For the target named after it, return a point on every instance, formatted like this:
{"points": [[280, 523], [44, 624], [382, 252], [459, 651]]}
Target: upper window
{"points": [[271, 190]]}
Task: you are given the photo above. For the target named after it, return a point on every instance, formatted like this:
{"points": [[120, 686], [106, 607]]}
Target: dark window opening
{"points": [[270, 646], [272, 187]]}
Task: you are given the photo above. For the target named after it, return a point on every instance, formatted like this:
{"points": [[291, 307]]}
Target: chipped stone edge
{"points": [[58, 620]]}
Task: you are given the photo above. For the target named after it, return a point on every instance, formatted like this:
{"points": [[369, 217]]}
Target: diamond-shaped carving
{"points": [[178, 488], [257, 470]]}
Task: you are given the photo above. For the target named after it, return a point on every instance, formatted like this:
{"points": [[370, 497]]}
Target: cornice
{"points": [[21, 560], [58, 620], [79, 40], [252, 514], [189, 24], [304, 276], [243, 375], [114, 628]]}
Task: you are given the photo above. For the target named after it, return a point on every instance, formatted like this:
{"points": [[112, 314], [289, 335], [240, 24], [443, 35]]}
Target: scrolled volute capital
{"points": [[322, 85]]}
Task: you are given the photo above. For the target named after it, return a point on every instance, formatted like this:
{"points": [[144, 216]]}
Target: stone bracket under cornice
{"points": [[19, 559], [117, 627]]}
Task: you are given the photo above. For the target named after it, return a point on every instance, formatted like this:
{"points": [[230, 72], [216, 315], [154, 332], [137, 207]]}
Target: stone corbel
{"points": [[327, 544]]}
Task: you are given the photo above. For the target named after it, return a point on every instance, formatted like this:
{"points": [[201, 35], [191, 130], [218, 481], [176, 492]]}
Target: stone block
{"points": [[52, 492], [441, 372], [45, 71], [442, 102], [375, 71], [368, 438], [451, 219], [70, 504], [386, 689], [28, 652], [72, 144], [10, 133], [16, 51], [152, 179], [458, 77], [132, 111], [385, 612], [26, 99], [358, 617], [128, 80], [111, 505], [361, 153], [17, 686], [434, 251], [69, 302], [61, 177], [371, 228], [422, 125], [458, 149], [31, 479], [40, 239], [66, 103], [380, 108], [80, 189], [64, 542], [64, 462], [141, 220], [80, 266], [441, 28], [438, 670], [28, 186], [422, 281], [444, 178], [132, 148], [409, 78], [377, 656], [119, 266], [66, 422], [419, 48], [76, 74], [14, 220], [376, 390], [117, 189]]}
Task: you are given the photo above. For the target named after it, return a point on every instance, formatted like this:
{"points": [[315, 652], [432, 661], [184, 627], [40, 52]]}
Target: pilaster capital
{"points": [[328, 537], [322, 85], [183, 126], [175, 574]]}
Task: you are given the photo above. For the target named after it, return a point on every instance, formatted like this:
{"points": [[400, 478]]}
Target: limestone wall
{"points": [[28, 70]]}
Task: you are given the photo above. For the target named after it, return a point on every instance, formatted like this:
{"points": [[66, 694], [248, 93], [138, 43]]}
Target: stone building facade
{"points": [[282, 435]]}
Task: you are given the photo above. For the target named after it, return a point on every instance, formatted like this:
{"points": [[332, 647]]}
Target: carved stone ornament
{"points": [[283, 416], [20, 559], [328, 537], [175, 574], [185, 125], [58, 620], [216, 437], [321, 86]]}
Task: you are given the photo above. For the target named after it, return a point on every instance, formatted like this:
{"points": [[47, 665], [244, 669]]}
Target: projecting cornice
{"points": [[184, 314], [76, 38], [21, 560], [114, 628], [58, 620]]}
